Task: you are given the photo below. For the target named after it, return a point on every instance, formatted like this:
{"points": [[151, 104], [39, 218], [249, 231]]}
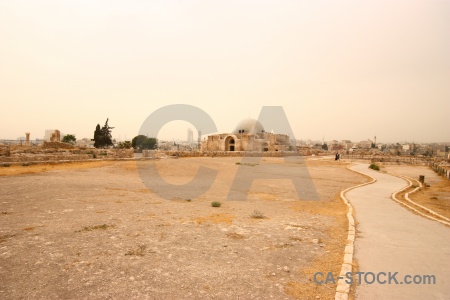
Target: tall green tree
{"points": [[97, 136], [69, 138], [102, 136], [106, 134], [143, 142]]}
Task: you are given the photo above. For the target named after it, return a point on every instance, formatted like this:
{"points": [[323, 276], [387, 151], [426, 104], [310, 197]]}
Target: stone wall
{"points": [[41, 154], [443, 170], [58, 145], [163, 154], [387, 159]]}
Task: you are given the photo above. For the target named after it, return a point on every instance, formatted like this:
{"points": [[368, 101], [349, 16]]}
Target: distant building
{"points": [[347, 144], [249, 135], [48, 134], [365, 144], [52, 135], [190, 136], [335, 145], [85, 143]]}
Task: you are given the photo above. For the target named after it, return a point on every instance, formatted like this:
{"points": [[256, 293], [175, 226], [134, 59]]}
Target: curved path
{"points": [[392, 239]]}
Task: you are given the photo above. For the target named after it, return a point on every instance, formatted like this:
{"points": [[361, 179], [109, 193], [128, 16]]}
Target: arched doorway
{"points": [[229, 143]]}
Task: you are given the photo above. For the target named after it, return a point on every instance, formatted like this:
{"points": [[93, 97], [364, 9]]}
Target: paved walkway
{"points": [[393, 239]]}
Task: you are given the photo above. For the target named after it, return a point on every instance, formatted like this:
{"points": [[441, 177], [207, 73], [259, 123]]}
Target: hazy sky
{"points": [[340, 69]]}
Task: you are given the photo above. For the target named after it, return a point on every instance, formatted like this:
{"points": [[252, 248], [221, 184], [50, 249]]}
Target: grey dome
{"points": [[248, 126]]}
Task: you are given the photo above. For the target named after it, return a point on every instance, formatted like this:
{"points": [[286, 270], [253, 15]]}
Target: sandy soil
{"points": [[95, 231]]}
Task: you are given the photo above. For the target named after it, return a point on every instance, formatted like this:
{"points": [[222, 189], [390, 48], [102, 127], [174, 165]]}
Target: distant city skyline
{"points": [[167, 131], [380, 68], [176, 131]]}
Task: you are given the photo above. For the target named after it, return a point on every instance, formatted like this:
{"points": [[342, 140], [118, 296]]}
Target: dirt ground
{"points": [[436, 196], [94, 230]]}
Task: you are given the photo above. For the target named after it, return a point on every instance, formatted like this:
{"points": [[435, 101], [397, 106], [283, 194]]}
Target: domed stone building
{"points": [[249, 135]]}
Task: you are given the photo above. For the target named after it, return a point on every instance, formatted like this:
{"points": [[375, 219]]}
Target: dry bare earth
{"points": [[94, 231]]}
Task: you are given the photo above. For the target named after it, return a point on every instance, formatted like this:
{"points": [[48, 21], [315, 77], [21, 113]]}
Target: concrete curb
{"points": [[343, 288], [393, 196]]}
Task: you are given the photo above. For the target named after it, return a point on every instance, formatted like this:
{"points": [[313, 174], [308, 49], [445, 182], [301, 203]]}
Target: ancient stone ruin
{"points": [[56, 136], [250, 136]]}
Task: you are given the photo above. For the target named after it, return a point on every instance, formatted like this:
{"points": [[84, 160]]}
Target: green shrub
{"points": [[374, 167], [216, 204]]}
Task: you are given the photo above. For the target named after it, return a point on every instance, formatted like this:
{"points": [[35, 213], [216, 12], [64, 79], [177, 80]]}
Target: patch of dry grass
{"points": [[334, 247], [335, 241], [436, 197], [215, 219], [4, 237], [263, 196], [138, 251], [257, 215], [90, 228], [235, 236], [39, 168], [333, 207]]}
